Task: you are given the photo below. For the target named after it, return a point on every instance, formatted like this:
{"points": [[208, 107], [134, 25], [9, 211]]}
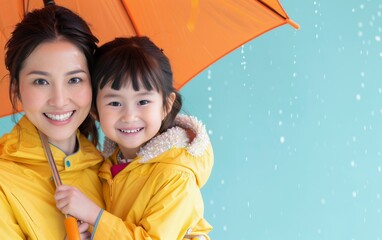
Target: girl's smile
{"points": [[129, 131]]}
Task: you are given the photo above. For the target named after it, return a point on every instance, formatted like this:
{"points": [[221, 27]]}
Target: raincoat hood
{"points": [[189, 135]]}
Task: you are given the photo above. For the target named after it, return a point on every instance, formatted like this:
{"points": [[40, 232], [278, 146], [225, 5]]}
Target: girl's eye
{"points": [[115, 104], [40, 82], [143, 102], [75, 80]]}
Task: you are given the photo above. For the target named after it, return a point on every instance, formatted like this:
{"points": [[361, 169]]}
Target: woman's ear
{"points": [[15, 93]]}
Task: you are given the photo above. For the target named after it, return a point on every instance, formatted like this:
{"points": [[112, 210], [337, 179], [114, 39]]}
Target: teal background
{"points": [[295, 118]]}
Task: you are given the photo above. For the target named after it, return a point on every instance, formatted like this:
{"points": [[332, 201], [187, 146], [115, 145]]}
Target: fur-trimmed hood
{"points": [[188, 134]]}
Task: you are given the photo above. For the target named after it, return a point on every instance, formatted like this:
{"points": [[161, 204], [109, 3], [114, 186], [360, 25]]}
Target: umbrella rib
{"points": [[129, 16], [288, 20], [25, 8]]}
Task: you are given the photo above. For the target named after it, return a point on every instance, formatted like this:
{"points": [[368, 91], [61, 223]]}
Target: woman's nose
{"points": [[59, 97]]}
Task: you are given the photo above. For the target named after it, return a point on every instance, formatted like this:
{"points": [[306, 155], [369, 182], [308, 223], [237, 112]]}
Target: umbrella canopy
{"points": [[193, 34]]}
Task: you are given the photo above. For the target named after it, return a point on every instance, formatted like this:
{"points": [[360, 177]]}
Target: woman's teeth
{"points": [[59, 117]]}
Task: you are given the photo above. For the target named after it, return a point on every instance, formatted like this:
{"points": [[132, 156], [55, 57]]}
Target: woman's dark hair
{"points": [[44, 25], [136, 60]]}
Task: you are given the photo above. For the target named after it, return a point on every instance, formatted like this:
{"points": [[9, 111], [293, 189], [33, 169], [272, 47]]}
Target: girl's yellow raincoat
{"points": [[157, 196], [27, 207]]}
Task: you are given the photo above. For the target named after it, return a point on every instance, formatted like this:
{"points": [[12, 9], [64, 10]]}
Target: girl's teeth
{"points": [[60, 117], [131, 131]]}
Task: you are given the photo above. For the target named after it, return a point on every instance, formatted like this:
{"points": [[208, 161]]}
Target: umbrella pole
{"points": [[71, 225]]}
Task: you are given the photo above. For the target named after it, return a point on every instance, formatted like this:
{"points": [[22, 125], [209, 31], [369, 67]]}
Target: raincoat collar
{"points": [[197, 145], [174, 137], [23, 145]]}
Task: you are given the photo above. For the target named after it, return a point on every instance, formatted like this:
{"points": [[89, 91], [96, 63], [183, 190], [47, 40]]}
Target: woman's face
{"points": [[55, 91]]}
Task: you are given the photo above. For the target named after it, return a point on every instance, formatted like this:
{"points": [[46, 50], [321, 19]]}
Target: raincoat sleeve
{"points": [[9, 228], [174, 209]]}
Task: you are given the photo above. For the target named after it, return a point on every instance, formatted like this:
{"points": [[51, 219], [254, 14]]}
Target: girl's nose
{"points": [[128, 114]]}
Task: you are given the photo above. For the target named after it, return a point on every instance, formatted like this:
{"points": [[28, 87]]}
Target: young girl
{"points": [[159, 159], [49, 57]]}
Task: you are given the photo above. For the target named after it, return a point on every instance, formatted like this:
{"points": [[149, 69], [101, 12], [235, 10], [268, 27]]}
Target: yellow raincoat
{"points": [[157, 196], [27, 207]]}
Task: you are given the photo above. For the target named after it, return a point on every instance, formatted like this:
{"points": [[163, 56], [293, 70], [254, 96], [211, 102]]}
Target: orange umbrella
{"points": [[193, 34]]}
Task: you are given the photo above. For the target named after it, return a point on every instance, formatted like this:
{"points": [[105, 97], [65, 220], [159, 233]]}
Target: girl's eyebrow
{"points": [[111, 95], [145, 93], [138, 94]]}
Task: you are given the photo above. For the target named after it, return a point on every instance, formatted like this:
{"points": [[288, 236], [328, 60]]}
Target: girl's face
{"points": [[130, 118], [55, 91]]}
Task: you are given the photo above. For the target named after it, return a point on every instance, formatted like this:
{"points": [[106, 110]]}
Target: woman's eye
{"points": [[143, 102], [75, 80], [115, 104], [40, 82]]}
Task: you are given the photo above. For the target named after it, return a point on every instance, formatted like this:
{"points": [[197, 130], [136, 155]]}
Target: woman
{"points": [[49, 59]]}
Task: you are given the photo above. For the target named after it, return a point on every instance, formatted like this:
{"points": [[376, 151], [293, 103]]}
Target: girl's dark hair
{"points": [[44, 25], [136, 60]]}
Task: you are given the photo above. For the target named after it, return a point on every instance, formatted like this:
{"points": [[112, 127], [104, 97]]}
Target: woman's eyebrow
{"points": [[37, 72], [75, 72]]}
